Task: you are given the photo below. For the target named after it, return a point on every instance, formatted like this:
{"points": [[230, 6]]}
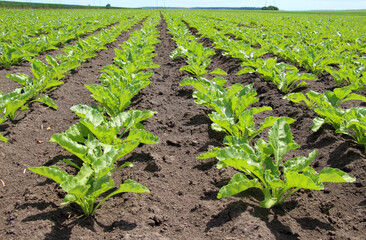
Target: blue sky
{"points": [[282, 4]]}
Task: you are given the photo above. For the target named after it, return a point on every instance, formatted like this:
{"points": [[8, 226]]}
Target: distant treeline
{"points": [[10, 4], [229, 8], [212, 8], [270, 8]]}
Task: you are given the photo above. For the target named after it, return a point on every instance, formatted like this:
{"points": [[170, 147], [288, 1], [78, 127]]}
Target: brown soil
{"points": [[182, 203]]}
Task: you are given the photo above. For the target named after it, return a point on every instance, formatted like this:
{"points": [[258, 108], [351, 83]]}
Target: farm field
{"points": [[326, 51]]}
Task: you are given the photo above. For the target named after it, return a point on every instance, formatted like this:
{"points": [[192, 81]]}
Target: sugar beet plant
{"points": [[351, 121], [263, 166], [124, 79], [197, 56], [108, 132], [94, 176], [286, 77], [99, 143], [232, 112]]}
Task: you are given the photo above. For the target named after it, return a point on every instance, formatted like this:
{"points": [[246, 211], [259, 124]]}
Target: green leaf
{"points": [[124, 165], [13, 106], [209, 154], [217, 127], [298, 97], [225, 123], [343, 92], [130, 119], [128, 186], [267, 123], [132, 187], [114, 98], [218, 71], [71, 163], [300, 180], [4, 139], [102, 188], [246, 70], [77, 132], [69, 198], [20, 78], [126, 147], [142, 136], [281, 140], [269, 202], [272, 174], [72, 186], [70, 145], [103, 133], [220, 81], [243, 159], [235, 141], [317, 99], [354, 96], [317, 123], [93, 115], [298, 164], [238, 183], [52, 61], [48, 101], [84, 174], [236, 89], [300, 85], [53, 172], [334, 175], [264, 149]]}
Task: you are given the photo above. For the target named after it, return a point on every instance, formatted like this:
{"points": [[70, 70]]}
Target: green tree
{"points": [[270, 8]]}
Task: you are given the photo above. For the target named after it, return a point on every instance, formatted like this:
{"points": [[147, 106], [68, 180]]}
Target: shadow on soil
{"points": [[271, 217], [342, 156], [206, 165], [62, 227], [232, 211], [137, 157], [59, 158], [187, 93], [60, 230], [198, 119], [312, 223]]}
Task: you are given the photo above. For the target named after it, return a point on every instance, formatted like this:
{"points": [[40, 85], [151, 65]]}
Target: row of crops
{"points": [[107, 132], [345, 64], [233, 115], [291, 54], [33, 34], [47, 76]]}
